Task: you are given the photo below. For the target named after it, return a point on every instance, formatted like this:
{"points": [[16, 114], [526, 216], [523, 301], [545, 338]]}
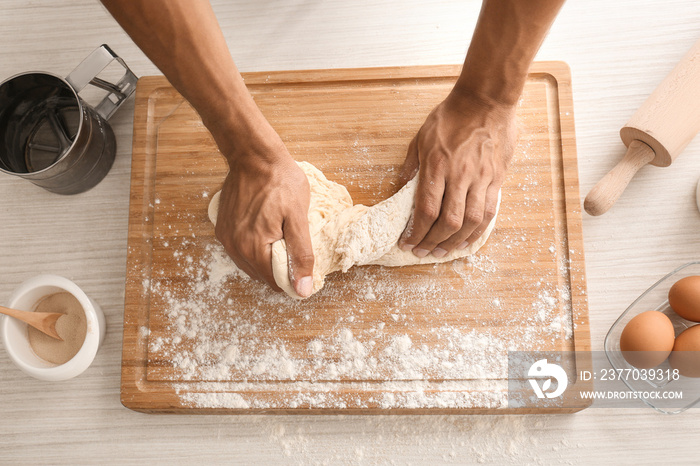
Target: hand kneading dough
{"points": [[344, 235]]}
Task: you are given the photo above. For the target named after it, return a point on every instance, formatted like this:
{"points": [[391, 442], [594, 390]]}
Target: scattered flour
{"points": [[221, 349], [373, 343], [389, 440]]}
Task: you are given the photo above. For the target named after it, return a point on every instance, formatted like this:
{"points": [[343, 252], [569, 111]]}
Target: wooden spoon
{"points": [[43, 321]]}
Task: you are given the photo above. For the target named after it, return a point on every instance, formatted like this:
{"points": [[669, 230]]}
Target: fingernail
{"points": [[406, 246], [305, 286], [439, 252], [421, 252], [463, 245]]}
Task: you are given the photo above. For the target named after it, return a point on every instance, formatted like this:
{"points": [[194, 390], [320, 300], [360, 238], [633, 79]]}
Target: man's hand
{"points": [[266, 197], [465, 145], [462, 152]]}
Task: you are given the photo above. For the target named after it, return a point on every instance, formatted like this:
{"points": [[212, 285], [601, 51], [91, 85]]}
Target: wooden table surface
{"points": [[618, 53]]}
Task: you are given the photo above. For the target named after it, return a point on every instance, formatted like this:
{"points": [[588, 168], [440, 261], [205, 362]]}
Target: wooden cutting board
{"points": [[421, 339]]}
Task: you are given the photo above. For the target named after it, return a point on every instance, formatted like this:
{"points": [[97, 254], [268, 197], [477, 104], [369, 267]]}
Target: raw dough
{"points": [[344, 235]]}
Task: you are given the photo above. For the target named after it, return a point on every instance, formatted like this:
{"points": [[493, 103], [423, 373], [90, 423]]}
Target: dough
{"points": [[344, 235]]}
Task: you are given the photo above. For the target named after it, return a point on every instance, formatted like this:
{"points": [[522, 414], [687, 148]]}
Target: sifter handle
{"points": [[86, 73]]}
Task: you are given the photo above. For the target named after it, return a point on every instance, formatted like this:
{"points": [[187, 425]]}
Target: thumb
{"points": [[300, 254], [410, 165]]}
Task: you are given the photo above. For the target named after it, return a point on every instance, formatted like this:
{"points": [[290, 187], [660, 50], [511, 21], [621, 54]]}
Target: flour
{"points": [[448, 367], [433, 336], [502, 440], [215, 400]]}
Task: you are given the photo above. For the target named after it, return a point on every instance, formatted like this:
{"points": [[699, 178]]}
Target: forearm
{"points": [[184, 40], [265, 196], [505, 41]]}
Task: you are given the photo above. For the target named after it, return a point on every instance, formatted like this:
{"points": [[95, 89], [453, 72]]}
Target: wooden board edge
{"points": [[359, 412], [561, 72], [559, 69], [143, 91], [150, 84], [146, 88], [351, 74], [579, 293]]}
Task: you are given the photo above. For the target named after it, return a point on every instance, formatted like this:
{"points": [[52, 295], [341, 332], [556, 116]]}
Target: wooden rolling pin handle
{"points": [[608, 190]]}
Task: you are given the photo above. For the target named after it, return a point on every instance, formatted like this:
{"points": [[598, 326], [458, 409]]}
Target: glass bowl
{"points": [[656, 299]]}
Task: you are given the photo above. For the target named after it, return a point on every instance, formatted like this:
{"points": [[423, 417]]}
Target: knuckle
{"points": [[452, 222], [428, 211], [489, 213], [473, 217], [475, 235], [438, 160], [498, 177]]}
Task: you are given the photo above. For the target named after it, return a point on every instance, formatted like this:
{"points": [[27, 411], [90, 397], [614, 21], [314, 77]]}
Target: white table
{"points": [[618, 53]]}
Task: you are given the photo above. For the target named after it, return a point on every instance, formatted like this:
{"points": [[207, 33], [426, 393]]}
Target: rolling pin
{"points": [[657, 133]]}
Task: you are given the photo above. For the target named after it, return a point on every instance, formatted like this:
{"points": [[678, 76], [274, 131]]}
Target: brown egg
{"points": [[686, 352], [684, 298], [647, 339]]}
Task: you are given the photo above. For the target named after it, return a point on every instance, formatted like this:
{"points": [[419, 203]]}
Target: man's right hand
{"points": [[266, 195], [266, 198]]}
